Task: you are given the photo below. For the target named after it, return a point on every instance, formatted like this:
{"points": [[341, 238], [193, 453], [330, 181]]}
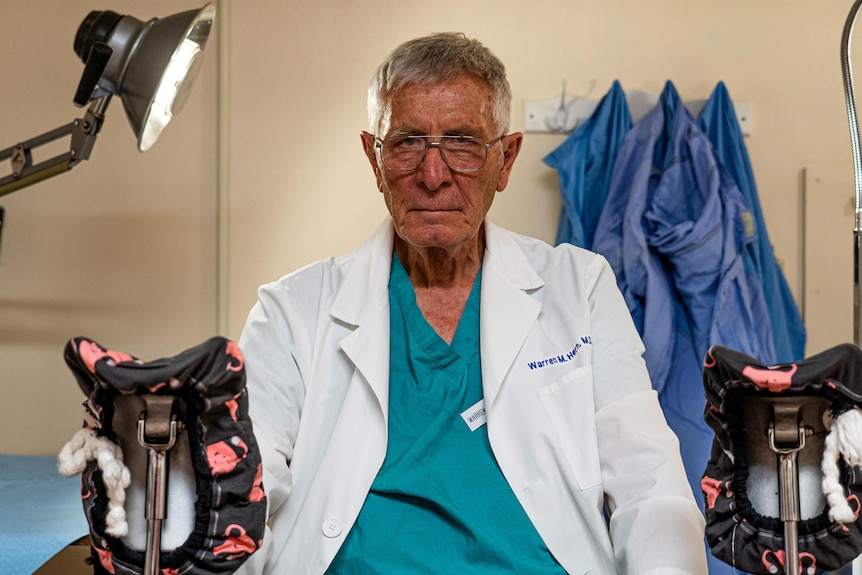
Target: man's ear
{"points": [[368, 148], [511, 147]]}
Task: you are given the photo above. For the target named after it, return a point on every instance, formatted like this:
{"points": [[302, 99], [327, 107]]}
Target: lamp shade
{"points": [[150, 65]]}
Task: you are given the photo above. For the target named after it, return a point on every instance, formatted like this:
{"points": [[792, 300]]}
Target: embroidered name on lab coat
{"points": [[563, 357], [474, 416]]}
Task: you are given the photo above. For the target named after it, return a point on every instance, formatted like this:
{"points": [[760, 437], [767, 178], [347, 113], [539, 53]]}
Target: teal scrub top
{"points": [[439, 503]]}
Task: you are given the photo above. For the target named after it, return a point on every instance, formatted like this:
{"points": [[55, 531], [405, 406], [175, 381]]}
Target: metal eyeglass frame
{"points": [[378, 146]]}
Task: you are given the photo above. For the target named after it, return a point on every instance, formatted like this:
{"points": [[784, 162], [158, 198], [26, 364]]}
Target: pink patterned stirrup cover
{"points": [[230, 508], [739, 532]]}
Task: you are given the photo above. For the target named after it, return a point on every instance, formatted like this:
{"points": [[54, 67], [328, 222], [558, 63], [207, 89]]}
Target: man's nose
{"points": [[434, 171]]}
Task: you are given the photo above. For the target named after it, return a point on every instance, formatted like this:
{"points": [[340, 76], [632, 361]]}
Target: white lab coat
{"points": [[571, 416]]}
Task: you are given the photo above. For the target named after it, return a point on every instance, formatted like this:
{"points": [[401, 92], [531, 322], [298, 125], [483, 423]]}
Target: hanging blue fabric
{"points": [[718, 121], [584, 163], [673, 227], [673, 230]]}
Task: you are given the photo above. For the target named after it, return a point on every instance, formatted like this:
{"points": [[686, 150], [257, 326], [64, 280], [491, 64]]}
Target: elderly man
{"points": [[452, 397]]}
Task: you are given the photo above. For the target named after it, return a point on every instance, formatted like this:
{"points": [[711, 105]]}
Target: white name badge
{"points": [[474, 416]]}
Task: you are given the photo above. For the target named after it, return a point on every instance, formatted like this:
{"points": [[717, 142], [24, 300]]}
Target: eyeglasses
{"points": [[406, 153]]}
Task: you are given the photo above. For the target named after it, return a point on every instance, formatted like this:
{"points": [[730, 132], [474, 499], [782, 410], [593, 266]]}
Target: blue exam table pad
{"points": [[40, 512]]}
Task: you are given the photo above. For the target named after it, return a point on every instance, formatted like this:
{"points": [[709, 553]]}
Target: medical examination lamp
{"points": [[149, 65]]}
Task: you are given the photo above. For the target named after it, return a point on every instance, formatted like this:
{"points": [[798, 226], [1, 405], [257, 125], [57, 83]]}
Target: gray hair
{"points": [[431, 60]]}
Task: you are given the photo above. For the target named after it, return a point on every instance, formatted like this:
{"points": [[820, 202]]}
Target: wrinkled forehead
{"points": [[461, 105]]}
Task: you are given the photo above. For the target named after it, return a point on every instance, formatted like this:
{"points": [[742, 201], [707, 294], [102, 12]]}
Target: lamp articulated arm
{"points": [[83, 133]]}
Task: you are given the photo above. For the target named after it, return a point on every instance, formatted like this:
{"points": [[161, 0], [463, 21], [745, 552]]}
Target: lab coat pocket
{"points": [[570, 406]]}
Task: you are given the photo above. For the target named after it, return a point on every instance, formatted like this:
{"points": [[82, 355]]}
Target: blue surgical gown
{"points": [[718, 121], [584, 163]]}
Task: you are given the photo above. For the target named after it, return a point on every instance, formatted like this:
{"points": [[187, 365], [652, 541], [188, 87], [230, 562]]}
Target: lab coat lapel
{"points": [[506, 317], [507, 311], [363, 301]]}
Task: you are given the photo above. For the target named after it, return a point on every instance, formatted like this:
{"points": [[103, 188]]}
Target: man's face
{"points": [[433, 206]]}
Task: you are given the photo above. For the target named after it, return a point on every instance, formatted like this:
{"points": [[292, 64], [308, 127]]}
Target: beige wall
{"points": [[124, 248]]}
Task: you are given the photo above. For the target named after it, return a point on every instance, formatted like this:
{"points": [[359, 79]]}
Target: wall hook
{"points": [[560, 119]]}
